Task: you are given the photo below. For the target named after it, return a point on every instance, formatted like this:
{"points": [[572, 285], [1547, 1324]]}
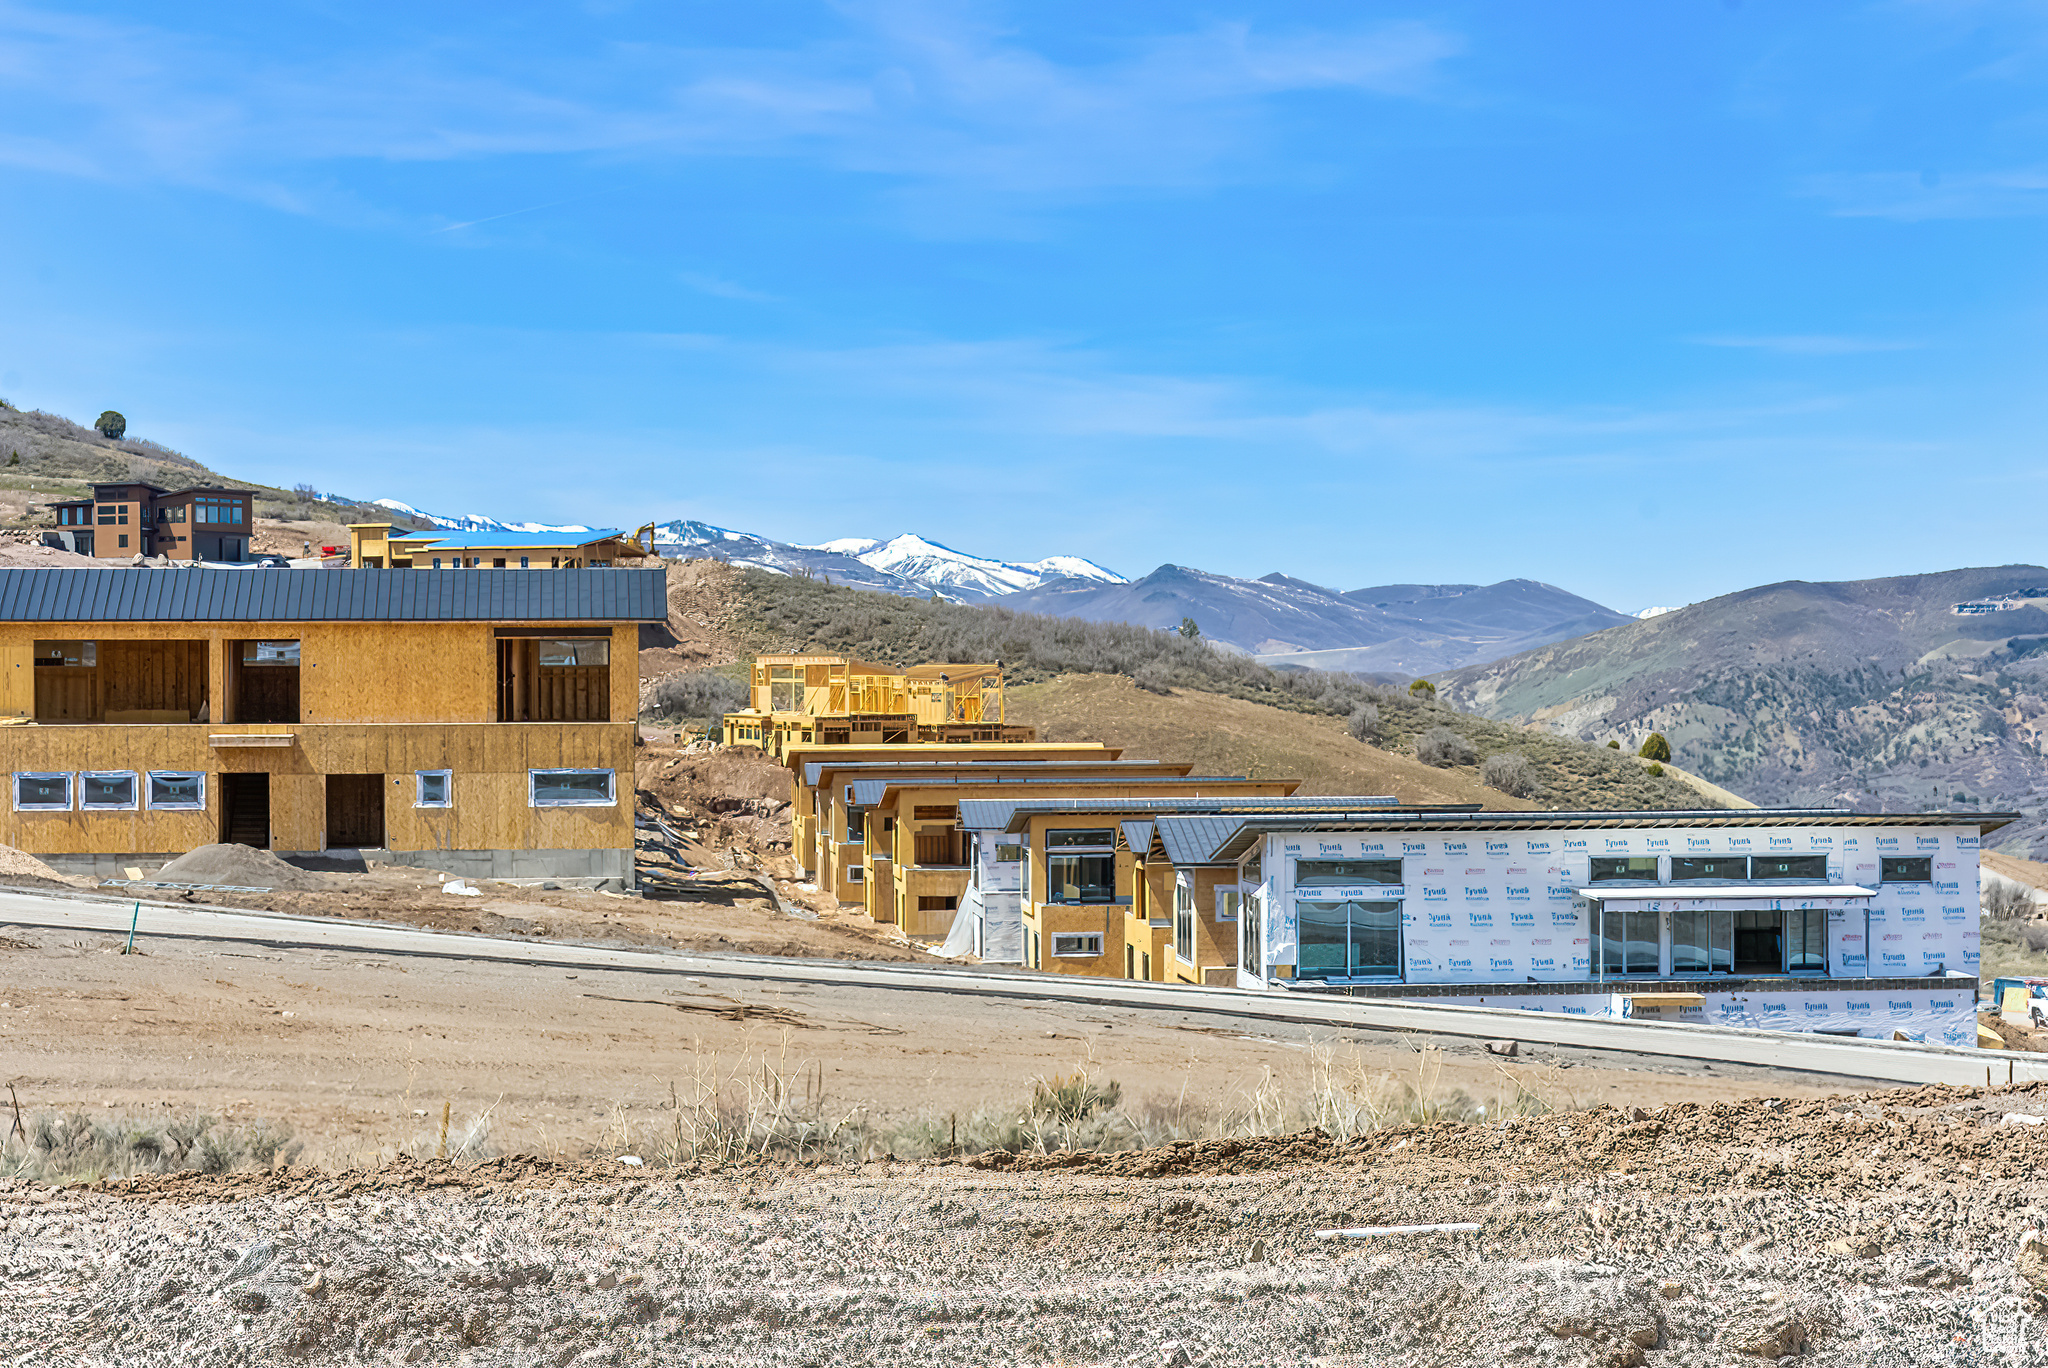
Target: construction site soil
{"points": [[1874, 1229]]}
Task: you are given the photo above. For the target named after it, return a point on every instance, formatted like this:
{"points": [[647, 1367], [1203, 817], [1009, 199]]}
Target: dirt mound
{"points": [[19, 864], [242, 866]]}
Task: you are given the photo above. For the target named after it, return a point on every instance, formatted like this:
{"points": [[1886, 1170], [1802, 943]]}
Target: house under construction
{"points": [[836, 701]]}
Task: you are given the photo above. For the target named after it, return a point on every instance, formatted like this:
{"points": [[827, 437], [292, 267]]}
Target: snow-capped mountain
{"points": [[474, 522], [955, 573]]}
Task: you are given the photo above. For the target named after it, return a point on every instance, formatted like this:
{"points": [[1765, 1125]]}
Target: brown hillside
{"points": [[1231, 736]]}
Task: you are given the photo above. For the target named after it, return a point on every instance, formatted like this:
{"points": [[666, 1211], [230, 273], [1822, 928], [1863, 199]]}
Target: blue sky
{"points": [[1653, 301]]}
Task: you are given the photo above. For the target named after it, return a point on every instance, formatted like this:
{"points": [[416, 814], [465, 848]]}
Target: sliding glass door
{"points": [[1349, 940]]}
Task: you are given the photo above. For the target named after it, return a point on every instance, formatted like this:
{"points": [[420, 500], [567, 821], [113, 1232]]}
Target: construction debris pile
{"points": [[1893, 1228]]}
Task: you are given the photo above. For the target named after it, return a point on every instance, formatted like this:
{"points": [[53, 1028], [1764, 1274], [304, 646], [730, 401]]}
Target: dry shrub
{"points": [[1442, 747]]}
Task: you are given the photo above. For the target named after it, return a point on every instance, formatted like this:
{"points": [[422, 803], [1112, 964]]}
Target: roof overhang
{"points": [[1420, 821]]}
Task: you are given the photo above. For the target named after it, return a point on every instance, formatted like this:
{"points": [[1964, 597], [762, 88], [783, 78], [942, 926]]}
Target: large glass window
{"points": [[1083, 878], [1702, 942], [1251, 939], [1080, 838], [1710, 868], [1626, 869], [1901, 870], [106, 790], [270, 653], [1777, 868], [1329, 873], [1628, 942], [1806, 941], [1349, 940], [40, 792], [177, 790], [571, 787]]}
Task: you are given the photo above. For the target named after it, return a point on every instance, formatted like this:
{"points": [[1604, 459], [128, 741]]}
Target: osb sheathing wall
{"points": [[490, 764], [348, 671]]}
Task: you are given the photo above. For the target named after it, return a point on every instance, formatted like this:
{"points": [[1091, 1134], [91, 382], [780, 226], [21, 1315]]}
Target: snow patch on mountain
{"points": [[474, 522], [1649, 613]]}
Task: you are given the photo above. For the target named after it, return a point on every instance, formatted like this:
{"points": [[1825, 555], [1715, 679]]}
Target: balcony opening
{"points": [[554, 679], [120, 681], [355, 811]]}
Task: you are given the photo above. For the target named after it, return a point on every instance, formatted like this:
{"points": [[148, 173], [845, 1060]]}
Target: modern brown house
{"points": [[134, 518], [481, 724]]}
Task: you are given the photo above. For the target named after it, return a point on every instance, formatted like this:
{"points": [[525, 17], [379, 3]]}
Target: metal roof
{"points": [[1012, 813], [868, 792], [1138, 836], [416, 543], [1687, 892], [1188, 840], [135, 594], [1257, 826], [814, 770]]}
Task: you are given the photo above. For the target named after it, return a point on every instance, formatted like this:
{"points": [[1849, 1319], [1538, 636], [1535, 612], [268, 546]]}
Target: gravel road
{"points": [[1872, 1230]]}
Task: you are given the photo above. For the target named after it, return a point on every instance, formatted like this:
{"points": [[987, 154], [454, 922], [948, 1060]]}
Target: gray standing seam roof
{"points": [[1138, 836], [1191, 840], [131, 594], [981, 814]]}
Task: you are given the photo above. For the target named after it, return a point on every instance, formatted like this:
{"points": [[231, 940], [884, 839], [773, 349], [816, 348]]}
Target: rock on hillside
{"points": [[1865, 692]]}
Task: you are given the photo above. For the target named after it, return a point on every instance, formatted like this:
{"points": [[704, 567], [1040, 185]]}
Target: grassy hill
{"points": [[1172, 698], [1868, 693], [44, 456]]}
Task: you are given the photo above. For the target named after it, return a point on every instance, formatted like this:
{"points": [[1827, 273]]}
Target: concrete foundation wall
{"points": [[611, 868]]}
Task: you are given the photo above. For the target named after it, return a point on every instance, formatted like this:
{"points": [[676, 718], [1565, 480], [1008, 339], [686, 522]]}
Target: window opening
{"points": [[1906, 869], [177, 790], [36, 791], [571, 788], [1625, 869], [1349, 940], [433, 788], [1320, 873], [1076, 946], [1710, 868], [107, 790]]}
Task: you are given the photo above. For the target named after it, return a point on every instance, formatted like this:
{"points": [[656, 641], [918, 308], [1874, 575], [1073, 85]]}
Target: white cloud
{"points": [[1912, 196], [1807, 344], [918, 92]]}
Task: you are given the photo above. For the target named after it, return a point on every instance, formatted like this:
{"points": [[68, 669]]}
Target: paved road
{"points": [[1805, 1053]]}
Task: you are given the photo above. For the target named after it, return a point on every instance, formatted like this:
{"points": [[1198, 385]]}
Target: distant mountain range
{"points": [[1399, 630], [466, 522], [1893, 693]]}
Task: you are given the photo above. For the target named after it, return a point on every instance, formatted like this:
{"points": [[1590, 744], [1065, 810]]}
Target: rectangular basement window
{"points": [[177, 791], [856, 873], [434, 789], [1077, 946], [36, 791], [571, 788], [107, 791], [1905, 870]]}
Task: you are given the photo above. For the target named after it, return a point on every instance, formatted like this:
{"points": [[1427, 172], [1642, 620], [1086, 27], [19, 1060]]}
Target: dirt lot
{"points": [[1886, 1229], [356, 1053]]}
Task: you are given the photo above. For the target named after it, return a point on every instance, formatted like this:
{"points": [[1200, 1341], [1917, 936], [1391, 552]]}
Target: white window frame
{"points": [[1183, 919], [1083, 938], [70, 790], [533, 798], [1229, 898], [857, 874], [148, 790], [135, 791], [447, 778]]}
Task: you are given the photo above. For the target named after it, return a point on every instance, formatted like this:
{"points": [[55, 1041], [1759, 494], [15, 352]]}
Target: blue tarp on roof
{"points": [[430, 542], [133, 594]]}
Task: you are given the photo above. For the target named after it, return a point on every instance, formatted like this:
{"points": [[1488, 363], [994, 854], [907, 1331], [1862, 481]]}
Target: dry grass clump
{"points": [[77, 1148]]}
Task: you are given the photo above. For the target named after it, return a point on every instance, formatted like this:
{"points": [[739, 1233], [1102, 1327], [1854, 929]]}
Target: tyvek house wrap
{"points": [[1483, 909]]}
